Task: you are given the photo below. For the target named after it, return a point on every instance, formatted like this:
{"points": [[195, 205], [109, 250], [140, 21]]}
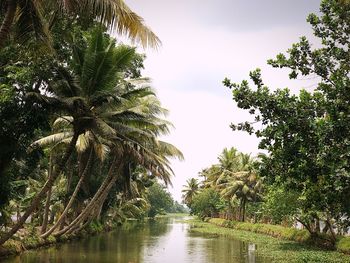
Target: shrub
{"points": [[271, 230], [343, 245]]}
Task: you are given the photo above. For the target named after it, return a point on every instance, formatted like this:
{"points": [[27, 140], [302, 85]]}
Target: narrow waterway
{"points": [[165, 240]]}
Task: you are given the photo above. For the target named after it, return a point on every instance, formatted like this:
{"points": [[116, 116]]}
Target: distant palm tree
{"points": [[234, 178], [242, 186], [31, 16], [190, 190]]}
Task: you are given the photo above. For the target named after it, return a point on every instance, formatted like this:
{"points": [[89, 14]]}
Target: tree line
{"points": [[306, 172], [80, 126]]}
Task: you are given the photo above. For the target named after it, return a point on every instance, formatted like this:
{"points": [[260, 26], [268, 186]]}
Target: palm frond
{"points": [[63, 123], [117, 15], [65, 83], [30, 21], [170, 150], [101, 151], [52, 139], [104, 128], [83, 142]]}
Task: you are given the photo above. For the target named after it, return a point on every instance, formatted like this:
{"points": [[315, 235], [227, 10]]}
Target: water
{"points": [[164, 240]]}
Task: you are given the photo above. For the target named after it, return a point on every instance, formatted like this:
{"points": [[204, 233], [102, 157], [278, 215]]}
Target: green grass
{"points": [[172, 215], [275, 249], [289, 233], [343, 244]]}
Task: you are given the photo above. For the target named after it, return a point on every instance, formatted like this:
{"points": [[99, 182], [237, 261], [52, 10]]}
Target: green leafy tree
{"points": [[97, 70], [207, 203], [306, 135], [280, 205], [159, 200]]}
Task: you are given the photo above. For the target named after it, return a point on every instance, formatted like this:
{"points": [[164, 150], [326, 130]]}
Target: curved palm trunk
{"points": [[95, 205], [8, 21], [44, 190], [46, 212], [64, 214], [89, 207], [99, 203], [48, 199], [95, 211]]}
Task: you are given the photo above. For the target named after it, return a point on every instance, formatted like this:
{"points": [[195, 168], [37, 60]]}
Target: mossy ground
{"points": [[29, 239], [275, 249]]}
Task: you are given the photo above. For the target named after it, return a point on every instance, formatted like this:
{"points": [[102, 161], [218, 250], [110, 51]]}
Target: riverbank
{"points": [[29, 239], [276, 249]]}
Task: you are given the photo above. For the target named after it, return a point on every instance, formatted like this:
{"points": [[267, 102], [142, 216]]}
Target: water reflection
{"points": [[166, 240]]}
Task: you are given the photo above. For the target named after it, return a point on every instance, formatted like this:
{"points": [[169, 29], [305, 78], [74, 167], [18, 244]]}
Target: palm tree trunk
{"points": [[243, 209], [36, 200], [240, 211], [89, 207], [8, 21], [100, 202], [46, 212], [96, 209], [48, 199], [97, 203], [63, 215]]}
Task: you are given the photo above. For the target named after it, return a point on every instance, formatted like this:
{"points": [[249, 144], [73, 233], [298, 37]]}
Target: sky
{"points": [[204, 41]]}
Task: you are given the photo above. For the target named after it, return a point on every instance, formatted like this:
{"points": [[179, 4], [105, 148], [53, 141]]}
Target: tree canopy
{"points": [[306, 134]]}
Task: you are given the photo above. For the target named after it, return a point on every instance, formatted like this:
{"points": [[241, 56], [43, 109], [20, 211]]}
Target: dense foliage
{"points": [[307, 134], [227, 187], [80, 126], [160, 201]]}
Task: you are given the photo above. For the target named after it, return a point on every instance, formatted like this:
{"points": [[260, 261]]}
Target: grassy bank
{"points": [[298, 235], [29, 239], [275, 249]]}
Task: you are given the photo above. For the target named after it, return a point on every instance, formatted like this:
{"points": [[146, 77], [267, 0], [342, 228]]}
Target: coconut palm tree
{"points": [[211, 175], [93, 85], [242, 186], [140, 148], [190, 190], [234, 179], [37, 16], [238, 180], [136, 124], [121, 117], [229, 159]]}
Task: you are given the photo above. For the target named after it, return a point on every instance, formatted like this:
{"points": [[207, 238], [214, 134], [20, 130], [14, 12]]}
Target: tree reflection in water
{"points": [[154, 241]]}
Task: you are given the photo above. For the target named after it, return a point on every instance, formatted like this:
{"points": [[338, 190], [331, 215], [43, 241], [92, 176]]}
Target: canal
{"points": [[165, 240]]}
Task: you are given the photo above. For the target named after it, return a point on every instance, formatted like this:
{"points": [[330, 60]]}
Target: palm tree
{"points": [[137, 125], [243, 186], [29, 17], [237, 180], [229, 159], [138, 146], [211, 175], [97, 72], [190, 190]]}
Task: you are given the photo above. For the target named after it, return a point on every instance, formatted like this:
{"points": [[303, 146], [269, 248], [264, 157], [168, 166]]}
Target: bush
{"points": [[271, 230], [343, 245], [207, 203]]}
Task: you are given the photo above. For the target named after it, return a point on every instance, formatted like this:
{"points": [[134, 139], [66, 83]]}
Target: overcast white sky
{"points": [[204, 41]]}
